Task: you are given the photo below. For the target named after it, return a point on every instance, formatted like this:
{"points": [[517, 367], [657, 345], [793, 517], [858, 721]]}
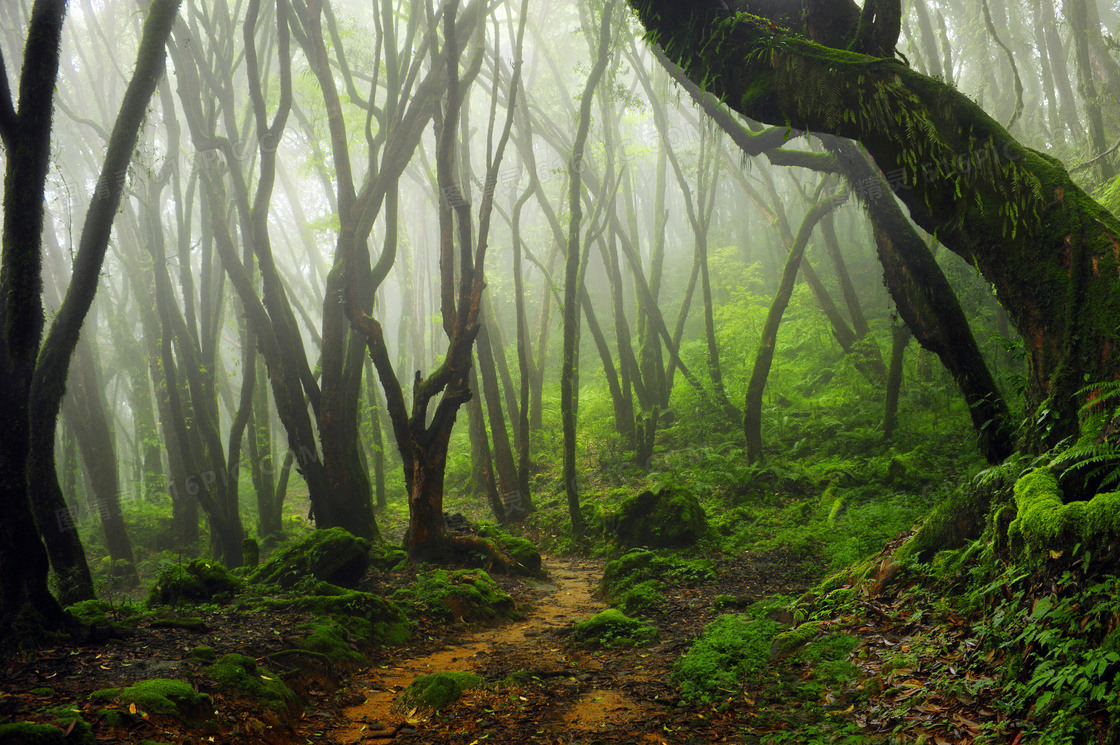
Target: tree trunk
{"points": [[752, 411], [899, 339], [1045, 246]]}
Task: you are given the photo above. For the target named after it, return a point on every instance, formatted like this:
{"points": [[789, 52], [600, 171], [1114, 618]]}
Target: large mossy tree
{"points": [[1050, 252]]}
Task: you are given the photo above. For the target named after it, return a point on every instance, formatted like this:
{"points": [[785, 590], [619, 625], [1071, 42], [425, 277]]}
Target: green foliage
{"points": [[464, 594], [641, 599], [198, 581], [435, 691], [637, 567], [237, 672], [612, 628], [730, 647], [160, 696], [331, 638], [374, 619], [47, 734], [331, 555]]}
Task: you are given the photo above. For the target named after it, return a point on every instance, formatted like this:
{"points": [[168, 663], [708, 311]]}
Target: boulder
{"points": [[666, 519]]}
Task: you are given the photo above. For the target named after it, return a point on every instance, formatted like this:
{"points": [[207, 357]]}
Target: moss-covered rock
{"points": [[663, 519], [435, 691], [612, 628], [465, 594], [385, 623], [334, 641], [642, 598], [198, 581], [160, 696], [524, 556], [388, 558], [237, 672], [636, 567], [332, 555], [1045, 523], [792, 640], [50, 734], [202, 653]]}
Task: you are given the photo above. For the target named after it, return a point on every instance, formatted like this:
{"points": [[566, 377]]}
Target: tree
{"points": [[1048, 250], [33, 374]]}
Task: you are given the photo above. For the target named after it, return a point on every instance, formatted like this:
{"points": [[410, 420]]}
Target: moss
{"points": [[388, 558], [642, 598], [42, 691], [198, 581], [792, 640], [436, 691], [91, 612], [524, 556], [612, 628], [45, 734], [202, 654], [237, 672], [160, 696], [114, 717], [333, 640], [730, 647], [466, 594], [250, 553], [636, 567], [384, 621], [332, 555], [1044, 523], [661, 519]]}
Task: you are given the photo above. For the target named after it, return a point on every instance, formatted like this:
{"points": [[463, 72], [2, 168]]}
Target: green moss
{"points": [[198, 581], [332, 639], [636, 567], [189, 623], [789, 641], [524, 556], [612, 628], [1044, 522], [436, 691], [332, 555], [465, 594], [237, 672], [91, 612], [42, 691], [642, 598], [202, 654], [45, 734], [114, 717], [661, 519], [160, 696], [250, 553], [730, 647], [385, 622], [388, 558]]}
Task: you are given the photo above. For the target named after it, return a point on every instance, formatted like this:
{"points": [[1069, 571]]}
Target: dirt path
{"points": [[567, 696]]}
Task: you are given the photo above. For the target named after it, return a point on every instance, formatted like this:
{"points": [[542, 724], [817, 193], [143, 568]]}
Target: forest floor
{"points": [[913, 673], [563, 694]]}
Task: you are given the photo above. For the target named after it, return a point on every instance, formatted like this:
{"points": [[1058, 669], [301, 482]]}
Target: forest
{"points": [[560, 371]]}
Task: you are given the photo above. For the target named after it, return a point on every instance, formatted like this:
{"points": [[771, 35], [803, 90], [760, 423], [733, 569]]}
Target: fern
{"points": [[1095, 454]]}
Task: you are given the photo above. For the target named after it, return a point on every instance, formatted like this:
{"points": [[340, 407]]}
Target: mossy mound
{"points": [[612, 628], [1045, 523], [237, 672], [198, 581], [388, 558], [335, 640], [465, 594], [665, 519], [430, 692], [790, 641], [642, 598], [22, 733], [384, 622], [332, 555], [730, 647], [160, 696], [637, 567], [524, 556], [202, 653]]}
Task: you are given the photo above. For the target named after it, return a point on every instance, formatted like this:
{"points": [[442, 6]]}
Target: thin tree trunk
{"points": [[899, 339]]}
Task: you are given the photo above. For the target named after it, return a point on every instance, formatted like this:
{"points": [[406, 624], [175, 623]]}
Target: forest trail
{"points": [[570, 696]]}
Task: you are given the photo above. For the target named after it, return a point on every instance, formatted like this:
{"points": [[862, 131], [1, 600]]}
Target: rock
{"points": [[332, 555], [665, 519]]}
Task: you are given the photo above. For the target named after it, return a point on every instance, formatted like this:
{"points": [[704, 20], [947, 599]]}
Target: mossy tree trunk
{"points": [[1051, 253]]}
